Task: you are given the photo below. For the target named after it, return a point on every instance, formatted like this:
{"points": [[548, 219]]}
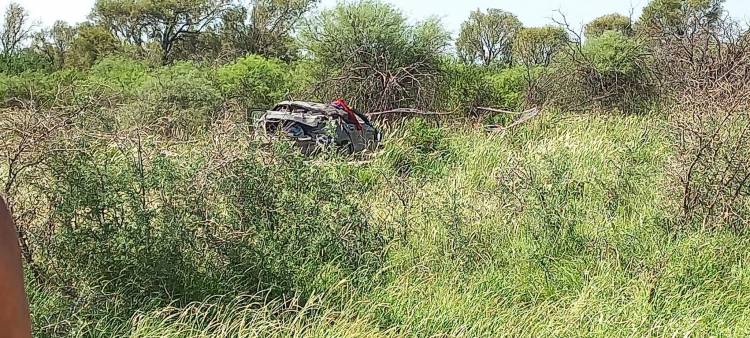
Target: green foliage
{"points": [[150, 210], [151, 227], [422, 151], [120, 75], [39, 89], [162, 22], [611, 71], [609, 22], [488, 37], [509, 86], [679, 17], [55, 43], [537, 46], [463, 87], [613, 52], [24, 61], [367, 53], [265, 27], [255, 81], [91, 44], [183, 85], [183, 96]]}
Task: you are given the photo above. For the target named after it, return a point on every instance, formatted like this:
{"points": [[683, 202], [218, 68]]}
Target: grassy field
{"points": [[563, 227]]}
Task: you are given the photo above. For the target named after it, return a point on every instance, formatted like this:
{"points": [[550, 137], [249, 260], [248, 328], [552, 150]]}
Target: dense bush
{"points": [[509, 86], [466, 87], [368, 53], [608, 72], [24, 61], [180, 98], [39, 89], [255, 81], [151, 225]]}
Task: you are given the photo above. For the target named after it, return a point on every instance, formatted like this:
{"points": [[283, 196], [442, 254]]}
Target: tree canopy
{"points": [[487, 38], [537, 45], [609, 22], [162, 22], [679, 17]]}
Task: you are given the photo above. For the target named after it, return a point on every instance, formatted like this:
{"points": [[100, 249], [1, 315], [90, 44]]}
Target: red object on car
{"points": [[341, 104]]}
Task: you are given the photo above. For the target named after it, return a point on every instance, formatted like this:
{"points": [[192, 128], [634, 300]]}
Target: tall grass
{"points": [[559, 228]]}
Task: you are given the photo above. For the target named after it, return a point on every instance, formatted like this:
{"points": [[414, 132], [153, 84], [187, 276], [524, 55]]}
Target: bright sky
{"points": [[452, 12]]}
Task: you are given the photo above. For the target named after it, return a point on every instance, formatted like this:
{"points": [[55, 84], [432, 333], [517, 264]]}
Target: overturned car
{"points": [[315, 126]]}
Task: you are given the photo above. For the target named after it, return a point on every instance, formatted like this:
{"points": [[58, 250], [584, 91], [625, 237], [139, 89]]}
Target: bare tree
{"points": [[15, 29]]}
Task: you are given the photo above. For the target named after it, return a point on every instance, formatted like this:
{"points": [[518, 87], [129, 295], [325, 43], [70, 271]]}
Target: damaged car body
{"points": [[316, 126]]}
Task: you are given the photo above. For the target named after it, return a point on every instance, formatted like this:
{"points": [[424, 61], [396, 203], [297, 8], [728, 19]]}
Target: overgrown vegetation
{"points": [[146, 207]]}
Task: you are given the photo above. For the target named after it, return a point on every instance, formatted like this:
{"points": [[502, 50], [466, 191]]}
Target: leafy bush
{"points": [[254, 80], [467, 86], [613, 53], [463, 87], [121, 74], [150, 226], [368, 53], [24, 61], [182, 99], [39, 89], [509, 86], [112, 82], [611, 71]]}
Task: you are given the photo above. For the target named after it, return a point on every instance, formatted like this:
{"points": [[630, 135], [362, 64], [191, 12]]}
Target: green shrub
{"points": [[150, 227], [183, 85], [121, 74], [24, 61], [509, 87], [254, 80], [614, 53], [423, 150], [182, 99], [40, 89], [462, 90], [468, 86], [368, 53], [610, 72]]}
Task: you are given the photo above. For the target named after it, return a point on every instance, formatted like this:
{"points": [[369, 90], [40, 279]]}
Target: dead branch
{"points": [[408, 111], [495, 110], [525, 117]]}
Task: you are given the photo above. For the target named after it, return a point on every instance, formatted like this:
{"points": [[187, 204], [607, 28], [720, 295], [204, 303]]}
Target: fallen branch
{"points": [[495, 110], [526, 117], [408, 111]]}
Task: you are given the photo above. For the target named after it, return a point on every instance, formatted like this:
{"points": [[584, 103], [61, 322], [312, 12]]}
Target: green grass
{"points": [[558, 228]]}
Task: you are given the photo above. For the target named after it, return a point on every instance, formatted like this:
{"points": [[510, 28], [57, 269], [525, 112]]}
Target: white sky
{"points": [[452, 12]]}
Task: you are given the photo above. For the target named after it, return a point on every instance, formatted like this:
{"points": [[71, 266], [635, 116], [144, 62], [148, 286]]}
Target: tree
{"points": [[367, 52], [15, 29], [536, 46], [164, 22], [90, 44], [488, 37], [680, 18], [264, 26], [55, 43], [609, 22]]}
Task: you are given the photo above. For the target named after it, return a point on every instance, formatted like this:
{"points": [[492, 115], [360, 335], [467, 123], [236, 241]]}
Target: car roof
{"points": [[314, 106]]}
